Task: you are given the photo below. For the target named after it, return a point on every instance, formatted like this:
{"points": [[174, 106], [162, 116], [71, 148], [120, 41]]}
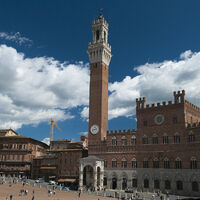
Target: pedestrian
{"points": [[79, 194], [11, 197], [33, 197]]}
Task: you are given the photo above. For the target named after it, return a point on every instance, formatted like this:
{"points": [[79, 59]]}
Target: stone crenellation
{"points": [[192, 106], [193, 125]]}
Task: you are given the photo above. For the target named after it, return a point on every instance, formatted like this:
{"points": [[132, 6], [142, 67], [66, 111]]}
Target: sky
{"points": [[44, 66]]}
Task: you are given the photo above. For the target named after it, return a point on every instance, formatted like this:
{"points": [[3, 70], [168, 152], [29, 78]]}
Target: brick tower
{"points": [[99, 52]]}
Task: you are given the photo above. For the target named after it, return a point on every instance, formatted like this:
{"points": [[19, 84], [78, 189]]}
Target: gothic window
{"points": [[177, 139], [105, 163], [193, 163], [178, 163], [156, 163], [134, 182], [134, 163], [166, 163], [167, 185], [195, 186], [175, 120], [133, 140], [191, 137], [114, 141], [114, 163], [156, 184], [104, 36], [145, 122], [165, 139], [124, 163], [146, 183], [145, 139], [145, 163], [179, 185], [124, 141], [155, 139]]}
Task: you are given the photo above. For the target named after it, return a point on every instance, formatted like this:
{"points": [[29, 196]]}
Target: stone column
{"points": [[95, 178], [81, 177]]}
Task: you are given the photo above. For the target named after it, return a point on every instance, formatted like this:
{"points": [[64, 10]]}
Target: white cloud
{"points": [[156, 82], [85, 113], [84, 133], [15, 37], [46, 141], [33, 90]]}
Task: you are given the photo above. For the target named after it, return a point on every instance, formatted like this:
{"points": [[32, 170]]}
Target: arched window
{"points": [[124, 163], [145, 163], [114, 163], [104, 180], [155, 139], [145, 139], [146, 183], [167, 185], [177, 138], [134, 182], [114, 141], [97, 35], [195, 186], [133, 140], [134, 163], [179, 185], [165, 139], [156, 163], [175, 120], [191, 137], [166, 163], [156, 184], [193, 163], [178, 163], [124, 141]]}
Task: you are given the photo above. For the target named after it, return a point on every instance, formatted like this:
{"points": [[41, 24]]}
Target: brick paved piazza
{"points": [[42, 194]]}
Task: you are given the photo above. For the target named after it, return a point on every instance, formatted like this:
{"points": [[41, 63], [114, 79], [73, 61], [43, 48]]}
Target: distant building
{"points": [[17, 153], [61, 163], [163, 154]]}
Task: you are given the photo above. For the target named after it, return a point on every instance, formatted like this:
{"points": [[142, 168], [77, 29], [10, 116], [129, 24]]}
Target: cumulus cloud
{"points": [[15, 37], [33, 90], [157, 81], [46, 141]]}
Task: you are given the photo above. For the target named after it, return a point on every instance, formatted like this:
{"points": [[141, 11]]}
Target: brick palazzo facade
{"points": [[163, 154], [17, 153]]}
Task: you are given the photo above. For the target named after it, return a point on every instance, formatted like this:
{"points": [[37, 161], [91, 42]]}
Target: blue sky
{"points": [[44, 67]]}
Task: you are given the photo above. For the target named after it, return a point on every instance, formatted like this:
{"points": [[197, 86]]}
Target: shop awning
{"points": [[48, 168], [66, 180]]}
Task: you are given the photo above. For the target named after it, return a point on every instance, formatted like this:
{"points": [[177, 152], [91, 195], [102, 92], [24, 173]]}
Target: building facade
{"points": [[162, 154], [17, 153]]}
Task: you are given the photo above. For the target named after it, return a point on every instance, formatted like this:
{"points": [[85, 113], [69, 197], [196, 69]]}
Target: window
{"points": [[155, 140], [124, 141], [134, 163], [124, 163], [174, 120], [145, 140], [179, 185], [193, 163], [156, 184], [146, 183], [145, 122], [195, 186], [114, 141], [166, 163], [97, 35], [156, 163], [191, 137], [177, 139], [145, 163], [134, 182], [178, 163], [133, 140], [167, 185], [114, 163], [105, 163], [165, 139], [105, 181]]}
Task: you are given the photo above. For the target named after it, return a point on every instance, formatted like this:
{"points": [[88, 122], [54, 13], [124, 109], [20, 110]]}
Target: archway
{"points": [[114, 183], [88, 176]]}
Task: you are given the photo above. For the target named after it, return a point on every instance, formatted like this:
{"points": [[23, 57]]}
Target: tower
{"points": [[99, 52]]}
